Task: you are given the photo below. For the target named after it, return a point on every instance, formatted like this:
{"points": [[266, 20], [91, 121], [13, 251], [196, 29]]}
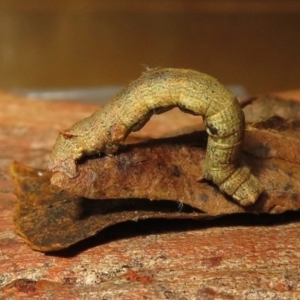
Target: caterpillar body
{"points": [[157, 91]]}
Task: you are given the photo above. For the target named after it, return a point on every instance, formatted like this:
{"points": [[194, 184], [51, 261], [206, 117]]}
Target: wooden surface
{"points": [[235, 257]]}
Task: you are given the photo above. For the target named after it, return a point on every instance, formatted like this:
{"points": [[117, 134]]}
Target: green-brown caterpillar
{"points": [[157, 91]]}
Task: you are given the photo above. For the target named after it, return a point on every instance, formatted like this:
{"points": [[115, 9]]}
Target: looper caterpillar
{"points": [[157, 91]]}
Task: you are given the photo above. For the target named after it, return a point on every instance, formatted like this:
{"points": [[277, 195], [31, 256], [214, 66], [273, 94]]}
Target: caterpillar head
{"points": [[66, 151]]}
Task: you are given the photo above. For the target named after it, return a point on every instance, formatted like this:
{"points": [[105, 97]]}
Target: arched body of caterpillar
{"points": [[157, 91]]}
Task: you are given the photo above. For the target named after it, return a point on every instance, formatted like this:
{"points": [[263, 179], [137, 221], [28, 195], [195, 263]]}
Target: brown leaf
{"points": [[274, 138], [263, 107], [166, 169], [169, 168], [50, 219]]}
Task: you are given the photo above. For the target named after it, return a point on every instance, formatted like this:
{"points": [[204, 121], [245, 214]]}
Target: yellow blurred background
{"points": [[49, 44]]}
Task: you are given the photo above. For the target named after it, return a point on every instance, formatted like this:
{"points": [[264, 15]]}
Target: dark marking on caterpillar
{"points": [[154, 92], [67, 135], [212, 129]]}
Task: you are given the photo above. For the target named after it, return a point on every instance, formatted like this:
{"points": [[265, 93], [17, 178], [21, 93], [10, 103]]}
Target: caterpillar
{"points": [[155, 92]]}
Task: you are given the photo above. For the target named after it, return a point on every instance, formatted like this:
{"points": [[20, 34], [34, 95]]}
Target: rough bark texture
{"points": [[235, 257]]}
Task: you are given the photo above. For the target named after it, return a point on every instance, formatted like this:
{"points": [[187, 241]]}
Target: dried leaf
{"points": [[263, 107], [50, 219], [166, 169], [169, 168], [274, 137]]}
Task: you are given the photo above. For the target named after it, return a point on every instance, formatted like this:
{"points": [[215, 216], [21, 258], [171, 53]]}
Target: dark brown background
{"points": [[86, 43]]}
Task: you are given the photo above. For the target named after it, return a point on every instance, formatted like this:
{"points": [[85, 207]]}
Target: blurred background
{"points": [[84, 45]]}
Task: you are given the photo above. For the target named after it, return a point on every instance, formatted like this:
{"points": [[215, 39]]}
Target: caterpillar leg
{"points": [[248, 192], [243, 186], [235, 181]]}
